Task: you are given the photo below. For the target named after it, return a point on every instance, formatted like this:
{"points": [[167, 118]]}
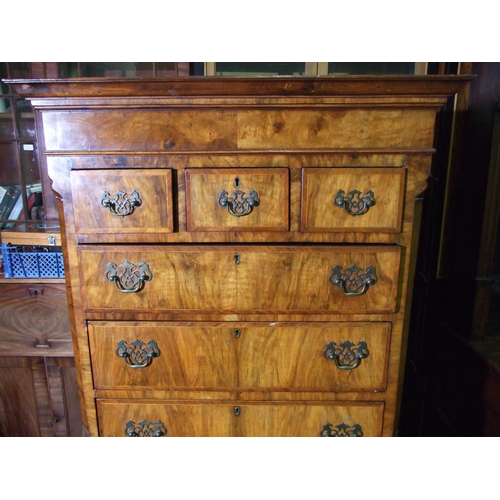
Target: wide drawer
{"points": [[214, 356], [148, 418], [237, 199], [353, 199], [231, 129], [122, 201], [240, 279]]}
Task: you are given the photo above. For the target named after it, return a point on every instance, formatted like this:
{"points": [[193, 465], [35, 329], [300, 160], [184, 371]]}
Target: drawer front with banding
{"points": [[237, 199], [352, 199], [240, 279], [220, 356], [201, 419], [122, 201]]}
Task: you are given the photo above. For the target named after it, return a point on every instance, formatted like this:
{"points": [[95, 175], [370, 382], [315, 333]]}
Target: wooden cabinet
{"points": [[38, 387], [38, 396], [240, 251]]}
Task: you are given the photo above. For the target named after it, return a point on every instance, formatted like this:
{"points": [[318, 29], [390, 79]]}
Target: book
{"points": [[9, 201], [16, 209], [35, 187], [31, 201], [3, 191]]}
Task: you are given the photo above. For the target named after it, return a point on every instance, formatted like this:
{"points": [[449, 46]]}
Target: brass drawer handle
{"points": [[131, 278], [341, 430], [145, 428], [353, 281], [347, 356], [239, 205], [355, 204], [121, 205], [136, 355]]}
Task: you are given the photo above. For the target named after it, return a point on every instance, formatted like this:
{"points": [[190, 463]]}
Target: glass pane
{"points": [[166, 69], [371, 68], [68, 69], [143, 69], [8, 163], [25, 119], [3, 74], [117, 69], [11, 206], [6, 123], [29, 163], [19, 70], [260, 68]]}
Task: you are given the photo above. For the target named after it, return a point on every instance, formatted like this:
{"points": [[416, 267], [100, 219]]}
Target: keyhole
{"points": [[237, 182], [237, 411], [236, 259], [237, 333]]}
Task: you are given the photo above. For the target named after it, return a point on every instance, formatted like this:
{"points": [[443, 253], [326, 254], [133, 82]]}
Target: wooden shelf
{"points": [[33, 233]]}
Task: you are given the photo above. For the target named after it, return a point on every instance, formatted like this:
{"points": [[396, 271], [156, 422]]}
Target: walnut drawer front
{"points": [[122, 201], [237, 199], [352, 199], [141, 419], [303, 356], [179, 419], [236, 129], [240, 279]]}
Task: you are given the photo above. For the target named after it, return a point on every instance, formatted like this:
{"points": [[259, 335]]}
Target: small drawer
{"points": [[240, 279], [237, 199], [277, 419], [352, 199], [211, 356], [122, 201]]}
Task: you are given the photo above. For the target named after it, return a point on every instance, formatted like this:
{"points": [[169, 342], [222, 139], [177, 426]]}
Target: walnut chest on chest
{"points": [[239, 252]]}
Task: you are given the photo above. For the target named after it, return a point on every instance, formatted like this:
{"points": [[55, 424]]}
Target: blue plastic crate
{"points": [[32, 264]]}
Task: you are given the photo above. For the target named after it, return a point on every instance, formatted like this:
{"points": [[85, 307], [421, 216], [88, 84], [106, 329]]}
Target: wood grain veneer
{"points": [[296, 141]]}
